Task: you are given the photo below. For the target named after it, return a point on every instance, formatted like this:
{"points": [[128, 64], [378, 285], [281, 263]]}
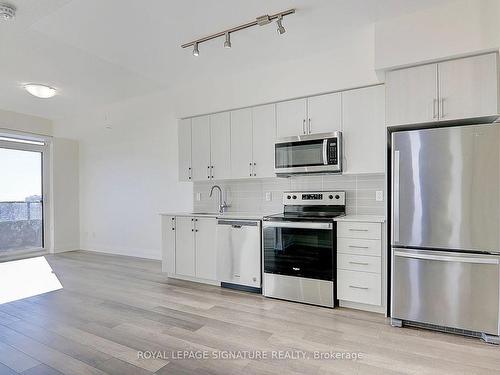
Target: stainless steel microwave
{"points": [[316, 153]]}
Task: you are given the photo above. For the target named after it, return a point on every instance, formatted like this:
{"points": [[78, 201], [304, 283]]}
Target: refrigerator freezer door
{"points": [[449, 289], [445, 188]]}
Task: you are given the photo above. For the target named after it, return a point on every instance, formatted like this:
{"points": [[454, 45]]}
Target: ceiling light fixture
{"points": [[40, 91], [7, 11], [227, 43], [279, 22], [259, 21]]}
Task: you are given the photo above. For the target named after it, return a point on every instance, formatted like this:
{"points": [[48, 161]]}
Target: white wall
{"points": [[25, 123], [65, 195], [454, 29]]}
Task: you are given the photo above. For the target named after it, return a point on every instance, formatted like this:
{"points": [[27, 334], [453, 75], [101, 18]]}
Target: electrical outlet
{"points": [[379, 195], [198, 197], [269, 196]]}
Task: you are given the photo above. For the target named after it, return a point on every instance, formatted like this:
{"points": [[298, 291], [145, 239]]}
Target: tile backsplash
{"points": [[250, 195]]}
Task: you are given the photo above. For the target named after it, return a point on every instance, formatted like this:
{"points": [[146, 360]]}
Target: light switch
{"points": [[268, 196], [198, 197], [379, 195]]}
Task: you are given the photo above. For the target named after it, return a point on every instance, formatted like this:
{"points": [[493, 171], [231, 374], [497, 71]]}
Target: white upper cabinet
{"points": [[184, 132], [412, 95], [450, 90], [241, 143], [220, 145], [468, 87], [291, 118], [200, 141], [364, 134], [264, 136], [324, 113]]}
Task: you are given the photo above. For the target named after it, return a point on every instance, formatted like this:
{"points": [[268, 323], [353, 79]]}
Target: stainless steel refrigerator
{"points": [[445, 229]]}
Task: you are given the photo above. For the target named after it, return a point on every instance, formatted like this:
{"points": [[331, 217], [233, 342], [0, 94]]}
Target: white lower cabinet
{"points": [[188, 247], [361, 265]]}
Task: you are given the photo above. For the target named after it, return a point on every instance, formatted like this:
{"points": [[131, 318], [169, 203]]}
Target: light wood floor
{"points": [[111, 307]]}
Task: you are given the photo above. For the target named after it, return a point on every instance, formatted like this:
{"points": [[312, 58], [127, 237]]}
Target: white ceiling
{"points": [[101, 51]]}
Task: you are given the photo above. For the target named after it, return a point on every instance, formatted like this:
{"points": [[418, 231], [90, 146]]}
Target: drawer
{"points": [[359, 263], [356, 229], [358, 246], [361, 287]]}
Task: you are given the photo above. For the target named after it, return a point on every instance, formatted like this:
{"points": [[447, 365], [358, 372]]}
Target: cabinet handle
{"points": [[358, 287], [208, 172], [358, 230], [190, 173], [358, 247], [250, 169], [304, 126], [310, 126], [212, 171], [255, 174], [442, 108], [359, 263], [434, 111]]}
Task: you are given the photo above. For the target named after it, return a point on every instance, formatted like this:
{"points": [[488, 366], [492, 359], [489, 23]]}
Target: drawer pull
{"points": [[296, 268], [358, 287], [358, 247], [358, 230], [359, 263]]}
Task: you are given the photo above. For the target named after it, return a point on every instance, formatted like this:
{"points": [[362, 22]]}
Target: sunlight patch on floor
{"points": [[26, 278]]}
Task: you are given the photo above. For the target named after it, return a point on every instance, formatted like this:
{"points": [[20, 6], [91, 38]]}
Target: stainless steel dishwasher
{"points": [[239, 254]]}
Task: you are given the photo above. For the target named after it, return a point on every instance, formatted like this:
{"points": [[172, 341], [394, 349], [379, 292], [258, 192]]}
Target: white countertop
{"points": [[364, 218], [225, 215]]}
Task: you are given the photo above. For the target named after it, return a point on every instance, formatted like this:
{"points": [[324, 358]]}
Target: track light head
{"points": [[7, 11], [227, 43], [196, 51], [279, 22]]}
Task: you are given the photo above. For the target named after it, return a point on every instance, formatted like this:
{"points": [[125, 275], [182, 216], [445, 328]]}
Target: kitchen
{"points": [[308, 187]]}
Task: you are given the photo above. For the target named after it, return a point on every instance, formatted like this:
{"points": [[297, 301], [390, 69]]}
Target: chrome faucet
{"points": [[221, 202]]}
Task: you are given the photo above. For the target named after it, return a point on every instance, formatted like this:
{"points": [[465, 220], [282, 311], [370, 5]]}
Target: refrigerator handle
{"points": [[395, 195]]}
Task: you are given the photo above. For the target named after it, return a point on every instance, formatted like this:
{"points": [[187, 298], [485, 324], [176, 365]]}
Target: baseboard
{"points": [[362, 306], [131, 252]]}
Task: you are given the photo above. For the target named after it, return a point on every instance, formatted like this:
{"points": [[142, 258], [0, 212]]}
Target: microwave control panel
{"points": [[332, 151]]}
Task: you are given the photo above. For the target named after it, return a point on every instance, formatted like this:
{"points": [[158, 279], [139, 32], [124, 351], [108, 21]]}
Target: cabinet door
{"points": [[220, 141], [168, 244], [291, 118], [264, 136], [206, 250], [184, 144], [324, 113], [364, 133], [184, 246], [241, 143], [468, 87], [201, 148], [412, 95]]}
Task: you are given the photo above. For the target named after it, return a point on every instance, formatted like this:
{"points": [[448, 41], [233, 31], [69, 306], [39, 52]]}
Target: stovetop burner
{"points": [[311, 206]]}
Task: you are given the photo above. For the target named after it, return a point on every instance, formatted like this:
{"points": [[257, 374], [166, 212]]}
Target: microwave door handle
{"points": [[325, 151]]}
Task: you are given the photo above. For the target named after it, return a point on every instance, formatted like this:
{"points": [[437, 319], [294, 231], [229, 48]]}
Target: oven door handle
{"points": [[300, 225]]}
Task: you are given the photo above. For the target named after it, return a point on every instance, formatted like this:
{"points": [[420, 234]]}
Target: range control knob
{"points": [[294, 197], [337, 196], [330, 196], [288, 197]]}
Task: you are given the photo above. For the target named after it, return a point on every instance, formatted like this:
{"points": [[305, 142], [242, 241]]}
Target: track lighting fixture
{"points": [[259, 21], [227, 43], [279, 22], [7, 12]]}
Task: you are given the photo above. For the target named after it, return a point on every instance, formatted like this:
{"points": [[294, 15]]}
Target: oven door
{"points": [[308, 154], [302, 249]]}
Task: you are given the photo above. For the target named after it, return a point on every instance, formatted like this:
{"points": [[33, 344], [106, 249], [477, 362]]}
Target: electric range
{"points": [[299, 247]]}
